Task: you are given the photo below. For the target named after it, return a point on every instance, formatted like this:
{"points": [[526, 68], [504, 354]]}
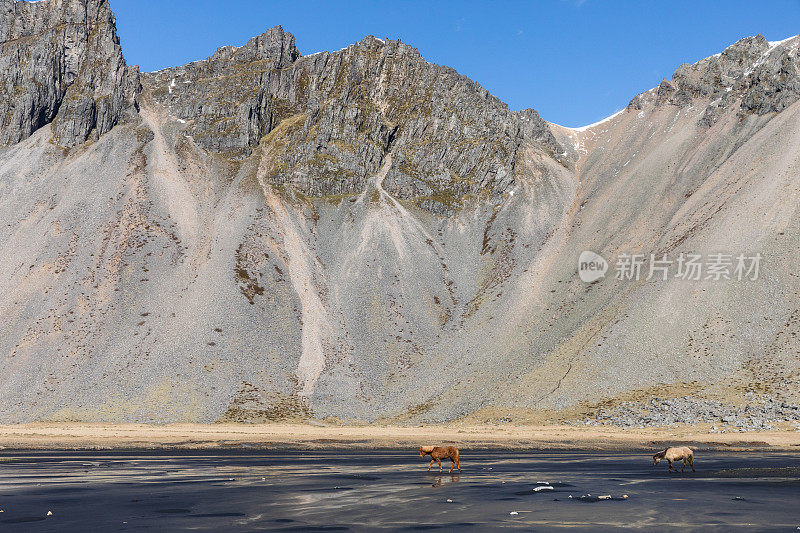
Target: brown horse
{"points": [[438, 453], [681, 453]]}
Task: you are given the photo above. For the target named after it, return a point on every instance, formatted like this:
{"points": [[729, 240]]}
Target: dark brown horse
{"points": [[438, 453]]}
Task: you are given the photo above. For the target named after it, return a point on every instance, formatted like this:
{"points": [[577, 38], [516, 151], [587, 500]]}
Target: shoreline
{"points": [[296, 436]]}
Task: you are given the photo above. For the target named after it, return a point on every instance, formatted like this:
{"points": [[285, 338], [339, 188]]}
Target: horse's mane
{"points": [[661, 454]]}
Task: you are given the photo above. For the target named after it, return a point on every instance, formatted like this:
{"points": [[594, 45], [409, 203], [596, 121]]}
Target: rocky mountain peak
{"points": [[275, 47], [62, 63], [743, 52], [752, 76], [344, 112], [336, 116]]}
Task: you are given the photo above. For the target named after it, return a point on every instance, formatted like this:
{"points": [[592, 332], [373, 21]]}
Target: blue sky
{"points": [[574, 61]]}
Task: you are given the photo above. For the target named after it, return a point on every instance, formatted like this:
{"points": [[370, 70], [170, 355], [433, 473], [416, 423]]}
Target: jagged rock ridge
{"points": [[343, 112], [762, 77], [62, 63]]}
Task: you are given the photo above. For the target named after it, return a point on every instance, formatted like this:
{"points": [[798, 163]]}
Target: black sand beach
{"points": [[247, 490]]}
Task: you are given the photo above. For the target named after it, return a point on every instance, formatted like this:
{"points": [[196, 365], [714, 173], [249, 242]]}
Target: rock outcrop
{"points": [[752, 75], [62, 63], [754, 415], [334, 117]]}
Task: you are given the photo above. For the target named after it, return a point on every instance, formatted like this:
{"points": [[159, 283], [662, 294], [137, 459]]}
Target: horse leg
{"points": [[430, 465], [440, 464], [669, 469], [452, 465], [691, 462], [684, 466]]}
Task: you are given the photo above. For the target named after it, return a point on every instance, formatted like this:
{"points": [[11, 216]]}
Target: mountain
{"points": [[62, 64], [364, 235]]}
